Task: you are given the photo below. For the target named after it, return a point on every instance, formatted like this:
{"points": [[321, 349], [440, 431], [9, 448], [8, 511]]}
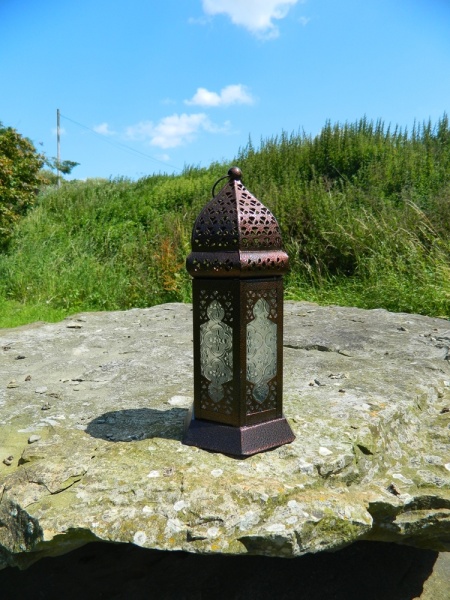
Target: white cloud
{"points": [[231, 94], [304, 21], [198, 21], [163, 157], [175, 130], [103, 129], [255, 15]]}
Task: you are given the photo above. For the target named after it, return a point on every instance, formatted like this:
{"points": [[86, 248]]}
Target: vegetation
{"points": [[364, 210], [20, 178], [55, 170]]}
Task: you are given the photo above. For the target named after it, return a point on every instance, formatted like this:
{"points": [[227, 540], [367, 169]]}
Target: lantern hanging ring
{"points": [[233, 173]]}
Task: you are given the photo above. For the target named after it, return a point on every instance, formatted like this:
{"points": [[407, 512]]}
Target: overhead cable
{"points": [[119, 144]]}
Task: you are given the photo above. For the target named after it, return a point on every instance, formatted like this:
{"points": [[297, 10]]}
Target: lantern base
{"points": [[238, 441]]}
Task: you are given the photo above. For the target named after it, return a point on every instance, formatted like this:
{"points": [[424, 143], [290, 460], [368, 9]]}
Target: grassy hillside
{"points": [[364, 210]]}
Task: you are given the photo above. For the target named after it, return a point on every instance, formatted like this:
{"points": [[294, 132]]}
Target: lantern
{"points": [[237, 264]]}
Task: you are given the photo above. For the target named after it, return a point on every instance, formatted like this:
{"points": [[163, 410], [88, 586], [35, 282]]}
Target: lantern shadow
{"points": [[136, 424]]}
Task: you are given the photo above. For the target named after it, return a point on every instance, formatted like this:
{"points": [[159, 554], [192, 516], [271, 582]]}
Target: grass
{"points": [[14, 314], [364, 211]]}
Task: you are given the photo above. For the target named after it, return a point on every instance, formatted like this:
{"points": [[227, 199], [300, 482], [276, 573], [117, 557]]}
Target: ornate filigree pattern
{"points": [[225, 406], [233, 220], [272, 262], [258, 227], [210, 263], [216, 227], [261, 312], [216, 358], [261, 350], [225, 298], [216, 351], [270, 295], [253, 406], [255, 263]]}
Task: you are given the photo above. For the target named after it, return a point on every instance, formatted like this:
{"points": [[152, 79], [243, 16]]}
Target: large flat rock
{"points": [[92, 412]]}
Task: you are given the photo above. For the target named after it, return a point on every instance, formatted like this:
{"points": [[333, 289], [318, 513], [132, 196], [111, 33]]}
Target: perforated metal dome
{"points": [[236, 235]]}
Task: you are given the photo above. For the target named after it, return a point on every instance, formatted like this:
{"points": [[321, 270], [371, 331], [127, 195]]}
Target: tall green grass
{"points": [[364, 211]]}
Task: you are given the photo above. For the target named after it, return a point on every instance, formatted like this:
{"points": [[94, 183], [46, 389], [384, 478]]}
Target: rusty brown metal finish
{"points": [[237, 263], [239, 297], [238, 441], [235, 235]]}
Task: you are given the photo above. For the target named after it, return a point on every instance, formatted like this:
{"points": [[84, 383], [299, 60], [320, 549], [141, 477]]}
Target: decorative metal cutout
{"points": [[235, 220], [261, 350], [270, 403], [225, 299], [216, 265], [258, 227], [216, 226], [236, 235], [269, 296], [263, 262], [216, 351]]}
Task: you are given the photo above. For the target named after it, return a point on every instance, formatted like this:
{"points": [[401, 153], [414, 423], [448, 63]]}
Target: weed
{"points": [[364, 211]]}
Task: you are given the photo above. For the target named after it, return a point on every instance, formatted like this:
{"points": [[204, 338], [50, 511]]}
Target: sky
{"points": [[155, 86]]}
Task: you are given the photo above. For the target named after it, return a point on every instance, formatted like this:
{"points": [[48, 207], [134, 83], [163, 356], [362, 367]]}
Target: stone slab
{"points": [[92, 412]]}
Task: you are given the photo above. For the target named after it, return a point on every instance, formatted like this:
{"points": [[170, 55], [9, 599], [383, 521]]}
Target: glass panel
{"points": [[216, 351], [261, 350]]}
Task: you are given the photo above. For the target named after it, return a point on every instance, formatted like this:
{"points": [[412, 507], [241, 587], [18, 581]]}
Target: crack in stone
{"points": [[318, 348], [73, 480]]}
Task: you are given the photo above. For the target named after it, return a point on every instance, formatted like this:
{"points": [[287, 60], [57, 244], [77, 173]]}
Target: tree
{"points": [[64, 166], [20, 178]]}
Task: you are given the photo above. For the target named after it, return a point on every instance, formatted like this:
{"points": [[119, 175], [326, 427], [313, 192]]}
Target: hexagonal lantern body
{"points": [[237, 265]]}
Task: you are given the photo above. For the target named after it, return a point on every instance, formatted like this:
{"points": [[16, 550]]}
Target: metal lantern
{"points": [[237, 265]]}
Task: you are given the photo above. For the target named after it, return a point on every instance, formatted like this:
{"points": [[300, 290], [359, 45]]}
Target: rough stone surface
{"points": [[104, 397]]}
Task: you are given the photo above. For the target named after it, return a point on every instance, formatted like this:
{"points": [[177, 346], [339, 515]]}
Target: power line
{"points": [[119, 144]]}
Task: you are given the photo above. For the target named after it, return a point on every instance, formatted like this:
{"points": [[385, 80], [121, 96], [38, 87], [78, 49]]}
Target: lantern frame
{"points": [[237, 264]]}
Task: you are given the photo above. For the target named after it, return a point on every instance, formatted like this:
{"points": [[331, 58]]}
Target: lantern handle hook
{"points": [[233, 173], [218, 181]]}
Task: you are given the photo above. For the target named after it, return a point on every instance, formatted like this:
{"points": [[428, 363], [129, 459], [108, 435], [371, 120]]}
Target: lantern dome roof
{"points": [[235, 233]]}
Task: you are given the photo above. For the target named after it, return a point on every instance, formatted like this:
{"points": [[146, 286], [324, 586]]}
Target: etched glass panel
{"points": [[261, 350], [216, 351]]}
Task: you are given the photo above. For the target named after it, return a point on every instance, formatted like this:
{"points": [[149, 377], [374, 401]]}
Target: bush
{"points": [[20, 179], [364, 211]]}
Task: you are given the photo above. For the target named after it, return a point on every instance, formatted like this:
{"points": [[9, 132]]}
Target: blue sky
{"points": [[147, 86]]}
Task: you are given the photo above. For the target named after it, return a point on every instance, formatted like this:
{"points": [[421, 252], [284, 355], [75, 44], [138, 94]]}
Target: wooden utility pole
{"points": [[58, 148]]}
